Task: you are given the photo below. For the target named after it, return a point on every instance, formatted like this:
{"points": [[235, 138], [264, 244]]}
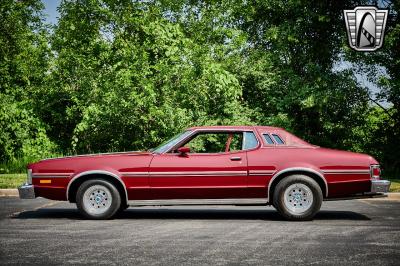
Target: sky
{"points": [[51, 10]]}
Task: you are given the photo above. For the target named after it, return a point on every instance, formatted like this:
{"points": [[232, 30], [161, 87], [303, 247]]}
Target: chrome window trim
{"points": [[103, 172], [294, 169]]}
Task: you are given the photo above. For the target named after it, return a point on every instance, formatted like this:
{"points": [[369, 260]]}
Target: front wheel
{"points": [[98, 199], [297, 198]]}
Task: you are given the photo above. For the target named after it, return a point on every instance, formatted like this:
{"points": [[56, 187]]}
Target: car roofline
{"points": [[238, 128]]}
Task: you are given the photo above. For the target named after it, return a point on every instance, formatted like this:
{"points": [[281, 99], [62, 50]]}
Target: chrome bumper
{"points": [[380, 186], [26, 191]]}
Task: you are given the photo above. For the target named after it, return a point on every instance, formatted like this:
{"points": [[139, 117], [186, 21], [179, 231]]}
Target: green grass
{"points": [[12, 180], [14, 166], [395, 186]]}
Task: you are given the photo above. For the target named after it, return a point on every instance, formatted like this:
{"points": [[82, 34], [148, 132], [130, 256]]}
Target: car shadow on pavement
{"points": [[190, 214]]}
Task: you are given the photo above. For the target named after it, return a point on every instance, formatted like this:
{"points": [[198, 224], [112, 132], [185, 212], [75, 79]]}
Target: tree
{"points": [[125, 78], [23, 64], [123, 75]]}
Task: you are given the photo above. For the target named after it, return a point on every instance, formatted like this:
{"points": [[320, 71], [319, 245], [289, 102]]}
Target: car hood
{"points": [[109, 154]]}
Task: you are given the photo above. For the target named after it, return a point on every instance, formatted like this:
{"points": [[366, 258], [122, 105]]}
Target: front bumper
{"points": [[380, 186], [26, 191]]}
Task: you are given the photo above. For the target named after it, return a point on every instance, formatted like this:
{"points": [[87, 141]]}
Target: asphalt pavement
{"points": [[356, 232]]}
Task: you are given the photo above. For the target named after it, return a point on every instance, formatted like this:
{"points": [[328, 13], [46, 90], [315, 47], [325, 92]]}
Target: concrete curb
{"points": [[393, 196], [9, 192]]}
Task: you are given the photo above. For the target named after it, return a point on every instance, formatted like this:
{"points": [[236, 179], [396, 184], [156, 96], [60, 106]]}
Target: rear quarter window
{"points": [[268, 139], [278, 139]]}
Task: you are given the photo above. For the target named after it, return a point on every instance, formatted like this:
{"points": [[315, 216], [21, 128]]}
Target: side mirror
{"points": [[183, 151]]}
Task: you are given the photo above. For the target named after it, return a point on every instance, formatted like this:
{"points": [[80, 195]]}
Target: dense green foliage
{"points": [[124, 75], [23, 63]]}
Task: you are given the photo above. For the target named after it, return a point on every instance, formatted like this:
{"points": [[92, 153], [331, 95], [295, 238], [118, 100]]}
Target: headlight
{"points": [[29, 177]]}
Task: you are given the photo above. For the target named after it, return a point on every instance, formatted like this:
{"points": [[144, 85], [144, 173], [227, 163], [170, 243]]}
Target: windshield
{"points": [[166, 145]]}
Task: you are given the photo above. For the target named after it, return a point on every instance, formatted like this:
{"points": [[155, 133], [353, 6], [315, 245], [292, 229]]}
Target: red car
{"points": [[236, 165]]}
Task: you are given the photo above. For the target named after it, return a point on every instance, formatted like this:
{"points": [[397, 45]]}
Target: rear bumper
{"points": [[26, 191], [380, 186]]}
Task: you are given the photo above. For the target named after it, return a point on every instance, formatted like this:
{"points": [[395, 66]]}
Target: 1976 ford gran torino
{"points": [[236, 165]]}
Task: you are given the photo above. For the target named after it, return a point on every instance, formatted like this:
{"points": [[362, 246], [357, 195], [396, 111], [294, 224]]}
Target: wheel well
{"points": [[314, 176], [73, 189]]}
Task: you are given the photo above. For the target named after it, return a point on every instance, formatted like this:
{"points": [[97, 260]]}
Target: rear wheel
{"points": [[98, 199], [297, 197]]}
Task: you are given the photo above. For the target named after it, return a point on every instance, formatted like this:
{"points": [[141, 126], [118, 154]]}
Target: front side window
{"points": [[215, 142]]}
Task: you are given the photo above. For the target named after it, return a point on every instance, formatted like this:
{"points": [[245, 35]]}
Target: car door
{"points": [[199, 175]]}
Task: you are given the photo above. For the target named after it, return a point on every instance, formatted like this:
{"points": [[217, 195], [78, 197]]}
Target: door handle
{"points": [[236, 158]]}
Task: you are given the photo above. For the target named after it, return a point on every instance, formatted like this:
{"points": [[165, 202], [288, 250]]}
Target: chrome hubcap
{"points": [[97, 199], [298, 198]]}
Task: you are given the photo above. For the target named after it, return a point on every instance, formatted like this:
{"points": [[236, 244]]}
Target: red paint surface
{"points": [[192, 185], [148, 176]]}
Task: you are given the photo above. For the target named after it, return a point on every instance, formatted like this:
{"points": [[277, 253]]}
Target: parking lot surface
{"points": [[356, 232]]}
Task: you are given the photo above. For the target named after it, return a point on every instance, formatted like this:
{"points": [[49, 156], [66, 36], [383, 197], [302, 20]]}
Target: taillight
{"points": [[375, 171]]}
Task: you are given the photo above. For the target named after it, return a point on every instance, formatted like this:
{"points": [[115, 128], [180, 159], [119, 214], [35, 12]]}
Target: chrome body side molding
{"points": [[184, 173], [345, 171], [51, 175], [261, 172], [199, 173]]}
